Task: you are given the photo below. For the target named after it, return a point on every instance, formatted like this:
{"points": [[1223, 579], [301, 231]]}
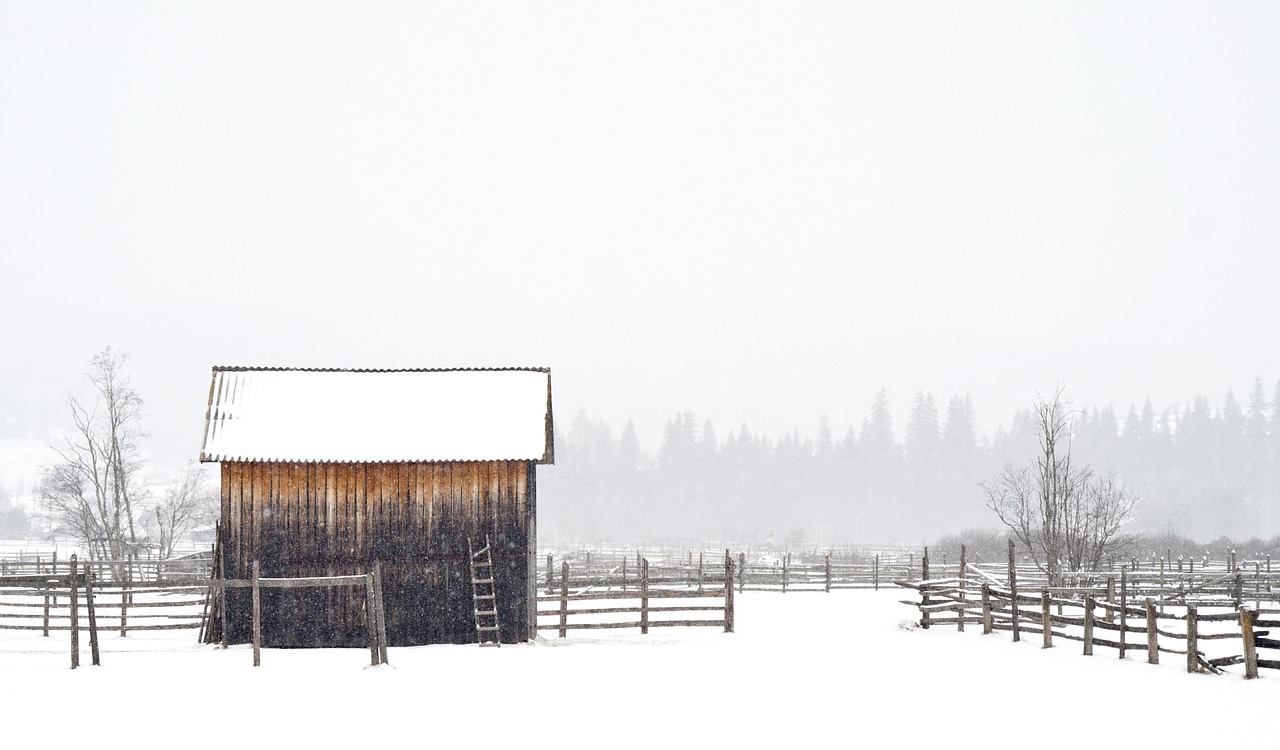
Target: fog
{"points": [[758, 212]]}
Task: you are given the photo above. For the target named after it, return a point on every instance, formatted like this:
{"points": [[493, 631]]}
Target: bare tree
{"points": [[185, 505], [92, 491], [1068, 518]]}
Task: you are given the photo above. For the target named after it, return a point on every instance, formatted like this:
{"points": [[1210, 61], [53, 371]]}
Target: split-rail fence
{"points": [[1212, 618]]}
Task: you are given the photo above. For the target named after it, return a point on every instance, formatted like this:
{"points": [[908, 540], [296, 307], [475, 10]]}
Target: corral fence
{"points": [[130, 596], [825, 571], [652, 598], [1214, 617]]}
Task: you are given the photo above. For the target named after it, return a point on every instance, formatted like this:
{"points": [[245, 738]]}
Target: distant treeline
{"points": [[1203, 471]]}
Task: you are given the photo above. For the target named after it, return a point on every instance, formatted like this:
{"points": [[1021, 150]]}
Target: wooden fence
{"points": [[697, 570], [1212, 618], [650, 599]]}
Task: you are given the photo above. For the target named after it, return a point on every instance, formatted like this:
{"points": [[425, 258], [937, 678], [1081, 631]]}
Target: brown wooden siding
{"points": [[336, 519]]}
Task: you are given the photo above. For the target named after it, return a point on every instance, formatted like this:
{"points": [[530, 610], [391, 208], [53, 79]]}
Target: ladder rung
{"points": [[485, 596], [485, 580], [486, 627]]}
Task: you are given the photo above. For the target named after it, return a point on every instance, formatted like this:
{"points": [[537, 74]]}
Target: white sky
{"points": [[759, 211]]}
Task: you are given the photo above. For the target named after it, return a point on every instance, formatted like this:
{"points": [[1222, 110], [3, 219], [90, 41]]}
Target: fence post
{"points": [[371, 619], [876, 572], [1046, 619], [257, 615], [742, 571], [551, 571], [1013, 595], [382, 616], [1153, 644], [728, 592], [986, 609], [924, 589], [624, 573], [1193, 640], [46, 611], [828, 561], [93, 617], [564, 599], [644, 597], [1088, 624], [1124, 609], [1238, 594], [1250, 645], [75, 617], [964, 596], [786, 562]]}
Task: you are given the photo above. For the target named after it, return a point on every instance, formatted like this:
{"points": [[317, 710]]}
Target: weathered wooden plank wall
{"points": [[326, 519]]}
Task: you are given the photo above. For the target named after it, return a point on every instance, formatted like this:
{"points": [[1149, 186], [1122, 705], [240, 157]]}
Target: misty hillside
{"points": [[1203, 470]]}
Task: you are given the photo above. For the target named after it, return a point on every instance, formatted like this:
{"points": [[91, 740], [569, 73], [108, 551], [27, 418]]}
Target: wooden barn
{"points": [[326, 471]]}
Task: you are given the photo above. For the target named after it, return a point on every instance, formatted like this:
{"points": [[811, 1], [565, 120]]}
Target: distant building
{"points": [[325, 471]]}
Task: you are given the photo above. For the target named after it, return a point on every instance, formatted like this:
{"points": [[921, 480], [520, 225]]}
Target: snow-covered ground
{"points": [[845, 669]]}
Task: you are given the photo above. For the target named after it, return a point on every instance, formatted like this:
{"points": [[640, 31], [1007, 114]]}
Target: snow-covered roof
{"points": [[375, 416]]}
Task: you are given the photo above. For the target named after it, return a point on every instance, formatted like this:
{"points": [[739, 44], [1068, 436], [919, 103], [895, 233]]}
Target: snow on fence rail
{"points": [[1210, 618], [595, 603]]}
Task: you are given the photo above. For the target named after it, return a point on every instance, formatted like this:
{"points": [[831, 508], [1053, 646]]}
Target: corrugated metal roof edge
{"points": [[242, 459], [221, 368]]}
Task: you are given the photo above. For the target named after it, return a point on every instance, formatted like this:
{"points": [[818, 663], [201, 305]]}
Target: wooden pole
{"points": [[46, 611], [1124, 609], [93, 617], [1111, 599], [382, 612], [924, 589], [75, 617], [257, 615], [551, 572], [1250, 645], [1013, 595], [728, 592], [644, 597], [828, 566], [964, 610], [1153, 645], [1088, 625], [564, 599], [986, 609], [1046, 619], [371, 619], [1193, 639], [786, 562], [876, 572], [742, 571]]}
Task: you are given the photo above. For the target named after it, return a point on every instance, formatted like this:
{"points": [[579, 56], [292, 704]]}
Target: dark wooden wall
{"points": [[316, 519]]}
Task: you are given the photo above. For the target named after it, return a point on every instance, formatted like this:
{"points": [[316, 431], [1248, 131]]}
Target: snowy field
{"points": [[845, 669]]}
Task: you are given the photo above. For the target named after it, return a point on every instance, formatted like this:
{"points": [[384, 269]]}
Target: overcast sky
{"points": [[758, 211]]}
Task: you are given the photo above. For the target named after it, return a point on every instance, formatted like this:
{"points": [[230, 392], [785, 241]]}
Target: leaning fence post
{"points": [[1193, 640], [644, 597], [93, 617], [1088, 624], [986, 609], [1153, 644], [1250, 645], [728, 592], [382, 617], [75, 617], [371, 619], [257, 615], [1046, 619], [564, 599]]}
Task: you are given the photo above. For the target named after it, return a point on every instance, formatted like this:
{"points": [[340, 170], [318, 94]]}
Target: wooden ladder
{"points": [[484, 594]]}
